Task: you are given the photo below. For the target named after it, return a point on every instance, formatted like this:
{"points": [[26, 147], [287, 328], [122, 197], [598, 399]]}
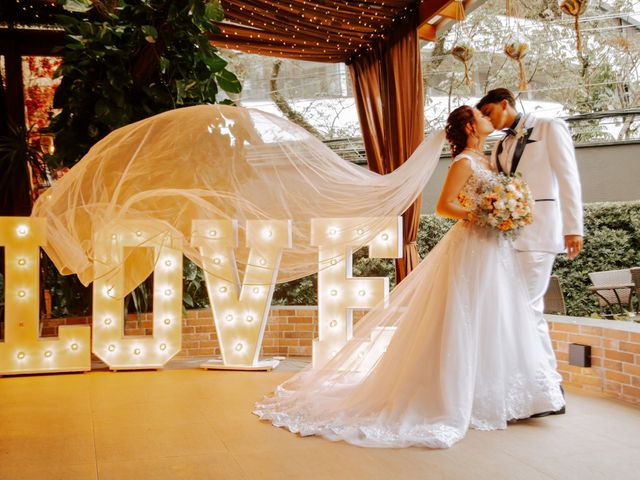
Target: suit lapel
{"points": [[529, 136]]}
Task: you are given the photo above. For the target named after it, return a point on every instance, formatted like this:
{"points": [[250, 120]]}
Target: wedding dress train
{"points": [[463, 352]]}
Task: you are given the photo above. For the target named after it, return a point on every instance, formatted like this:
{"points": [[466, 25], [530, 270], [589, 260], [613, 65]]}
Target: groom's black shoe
{"points": [[562, 411]]}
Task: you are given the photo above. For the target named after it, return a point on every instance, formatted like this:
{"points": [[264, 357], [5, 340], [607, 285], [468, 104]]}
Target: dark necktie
{"points": [[509, 132]]}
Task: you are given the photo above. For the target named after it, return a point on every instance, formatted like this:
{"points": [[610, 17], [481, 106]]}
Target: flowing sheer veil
{"points": [[218, 162]]}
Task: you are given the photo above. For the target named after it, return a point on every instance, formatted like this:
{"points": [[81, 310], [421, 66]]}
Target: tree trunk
{"points": [[284, 106]]}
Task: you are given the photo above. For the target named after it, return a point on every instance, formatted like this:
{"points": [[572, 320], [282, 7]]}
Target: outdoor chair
{"points": [[614, 289], [553, 298]]}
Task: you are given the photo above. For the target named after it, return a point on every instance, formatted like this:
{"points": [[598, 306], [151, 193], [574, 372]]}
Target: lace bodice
{"points": [[471, 192]]}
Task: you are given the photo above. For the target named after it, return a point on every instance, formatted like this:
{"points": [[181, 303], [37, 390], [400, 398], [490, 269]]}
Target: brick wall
{"points": [[615, 345], [615, 355]]}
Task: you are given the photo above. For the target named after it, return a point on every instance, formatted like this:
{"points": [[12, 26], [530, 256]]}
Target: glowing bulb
{"points": [[167, 292], [48, 353], [107, 321], [20, 355], [256, 290], [74, 346], [333, 324], [216, 261], [22, 230], [332, 231], [114, 237], [334, 262], [362, 293], [263, 261], [111, 348], [163, 346], [168, 263], [249, 318], [238, 347], [136, 351], [138, 233], [385, 236], [360, 231], [333, 293], [222, 289], [21, 293], [212, 233], [167, 321], [22, 262], [268, 233]]}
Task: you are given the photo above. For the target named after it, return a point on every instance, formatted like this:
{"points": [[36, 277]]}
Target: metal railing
{"points": [[596, 128]]}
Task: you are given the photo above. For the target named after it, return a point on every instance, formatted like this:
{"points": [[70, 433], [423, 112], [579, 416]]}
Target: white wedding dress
{"points": [[463, 352]]}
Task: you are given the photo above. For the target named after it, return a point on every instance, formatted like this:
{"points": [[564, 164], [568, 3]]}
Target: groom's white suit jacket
{"points": [[548, 165]]}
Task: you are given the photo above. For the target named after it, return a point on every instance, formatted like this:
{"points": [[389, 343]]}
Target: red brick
{"points": [[589, 330], [613, 365], [205, 329], [585, 340], [597, 352], [630, 347], [567, 327], [617, 377], [616, 355], [613, 387], [306, 313], [631, 369], [610, 344], [631, 391], [562, 356], [298, 334], [301, 327], [299, 320], [634, 337], [585, 379], [596, 362], [562, 336], [616, 334], [300, 351]]}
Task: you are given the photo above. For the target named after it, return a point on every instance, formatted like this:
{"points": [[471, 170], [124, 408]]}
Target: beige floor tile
{"points": [[49, 472], [121, 443], [212, 466]]}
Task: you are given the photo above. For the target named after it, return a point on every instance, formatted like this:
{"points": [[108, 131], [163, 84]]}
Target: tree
{"points": [[126, 60]]}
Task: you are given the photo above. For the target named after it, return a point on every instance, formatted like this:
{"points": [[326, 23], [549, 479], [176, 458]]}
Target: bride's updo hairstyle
{"points": [[455, 129]]}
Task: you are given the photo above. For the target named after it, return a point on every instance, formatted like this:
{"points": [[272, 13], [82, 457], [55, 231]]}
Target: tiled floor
{"points": [[187, 423]]}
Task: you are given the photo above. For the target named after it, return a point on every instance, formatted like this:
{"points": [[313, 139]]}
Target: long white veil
{"points": [[218, 162]]}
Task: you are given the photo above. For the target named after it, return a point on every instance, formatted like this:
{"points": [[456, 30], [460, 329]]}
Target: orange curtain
{"points": [[387, 85]]}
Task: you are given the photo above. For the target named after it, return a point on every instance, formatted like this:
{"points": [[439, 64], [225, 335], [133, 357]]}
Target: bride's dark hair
{"points": [[455, 129]]}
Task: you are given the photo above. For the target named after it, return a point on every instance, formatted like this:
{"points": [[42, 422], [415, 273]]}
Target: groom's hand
{"points": [[573, 245]]}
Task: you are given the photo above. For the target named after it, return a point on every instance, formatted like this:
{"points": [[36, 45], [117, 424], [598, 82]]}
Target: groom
{"points": [[542, 151]]}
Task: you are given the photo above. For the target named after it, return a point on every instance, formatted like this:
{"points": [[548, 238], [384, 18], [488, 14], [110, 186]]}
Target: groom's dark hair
{"points": [[496, 96]]}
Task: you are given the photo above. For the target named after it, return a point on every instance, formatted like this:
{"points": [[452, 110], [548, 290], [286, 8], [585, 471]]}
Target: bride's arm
{"points": [[447, 205]]}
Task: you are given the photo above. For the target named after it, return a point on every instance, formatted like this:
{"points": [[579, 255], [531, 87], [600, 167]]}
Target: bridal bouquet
{"points": [[504, 204]]}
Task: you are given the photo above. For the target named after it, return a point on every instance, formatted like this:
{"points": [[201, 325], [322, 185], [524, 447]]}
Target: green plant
{"points": [[17, 156], [141, 58]]}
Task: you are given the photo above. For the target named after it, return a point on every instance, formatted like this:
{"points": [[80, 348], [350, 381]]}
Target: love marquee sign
{"points": [[240, 308]]}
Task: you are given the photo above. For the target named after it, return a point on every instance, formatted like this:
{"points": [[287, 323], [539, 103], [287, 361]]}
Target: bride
{"points": [[461, 348]]}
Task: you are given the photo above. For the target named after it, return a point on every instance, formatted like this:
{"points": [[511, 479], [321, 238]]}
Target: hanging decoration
{"points": [[517, 50], [464, 53], [516, 47], [575, 8], [461, 51]]}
